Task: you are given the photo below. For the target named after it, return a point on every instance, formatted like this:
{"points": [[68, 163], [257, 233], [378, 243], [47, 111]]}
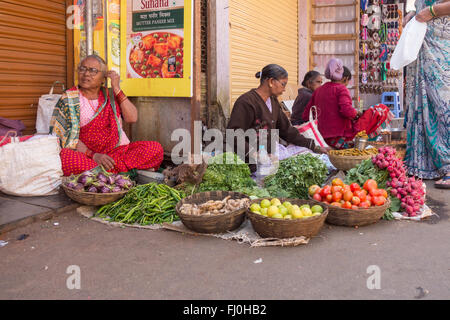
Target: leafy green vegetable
{"points": [[295, 175], [255, 192], [395, 207], [366, 170], [226, 172]]}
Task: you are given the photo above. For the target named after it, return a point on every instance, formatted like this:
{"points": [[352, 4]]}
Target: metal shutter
{"points": [[262, 32], [32, 55]]}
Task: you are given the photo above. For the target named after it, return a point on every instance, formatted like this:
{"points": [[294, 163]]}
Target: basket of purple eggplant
{"points": [[96, 187]]}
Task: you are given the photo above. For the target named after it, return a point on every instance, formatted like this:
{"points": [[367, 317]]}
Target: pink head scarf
{"points": [[334, 70]]}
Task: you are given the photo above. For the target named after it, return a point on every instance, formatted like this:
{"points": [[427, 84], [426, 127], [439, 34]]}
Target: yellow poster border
{"points": [[158, 87]]}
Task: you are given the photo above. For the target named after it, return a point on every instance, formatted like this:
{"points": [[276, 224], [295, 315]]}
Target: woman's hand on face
{"points": [[115, 80], [104, 160], [424, 15]]}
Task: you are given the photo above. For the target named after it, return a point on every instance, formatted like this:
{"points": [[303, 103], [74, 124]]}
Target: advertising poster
{"points": [[156, 48]]}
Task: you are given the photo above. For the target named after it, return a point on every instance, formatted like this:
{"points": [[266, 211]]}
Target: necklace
{"points": [[92, 105]]}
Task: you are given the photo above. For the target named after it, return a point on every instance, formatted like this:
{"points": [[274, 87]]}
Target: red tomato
{"points": [[325, 191], [337, 196], [329, 198], [361, 195], [370, 184], [347, 205], [336, 204], [369, 198], [318, 191], [383, 193], [354, 187], [379, 201], [373, 192], [346, 188], [348, 195], [336, 189], [356, 201], [337, 182], [313, 189], [317, 197], [365, 204]]}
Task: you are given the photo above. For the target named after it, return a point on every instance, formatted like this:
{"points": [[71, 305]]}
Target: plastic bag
{"points": [[46, 105], [310, 130], [31, 168], [409, 45]]}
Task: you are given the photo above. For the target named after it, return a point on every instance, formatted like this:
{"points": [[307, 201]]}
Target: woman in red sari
{"points": [[88, 121]]}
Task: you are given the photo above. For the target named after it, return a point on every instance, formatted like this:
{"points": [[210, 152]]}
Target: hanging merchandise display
{"points": [[381, 27]]}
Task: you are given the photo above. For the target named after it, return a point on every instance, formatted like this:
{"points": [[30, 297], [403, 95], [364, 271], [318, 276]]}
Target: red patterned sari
{"points": [[102, 135]]}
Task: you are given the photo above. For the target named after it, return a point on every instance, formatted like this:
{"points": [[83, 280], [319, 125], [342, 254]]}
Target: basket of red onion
{"points": [[96, 187]]}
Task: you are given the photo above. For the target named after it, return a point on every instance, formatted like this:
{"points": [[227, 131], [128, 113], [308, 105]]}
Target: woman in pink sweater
{"points": [[336, 115]]}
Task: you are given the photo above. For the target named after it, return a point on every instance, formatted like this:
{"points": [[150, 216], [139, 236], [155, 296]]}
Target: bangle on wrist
{"points": [[432, 11], [121, 97]]}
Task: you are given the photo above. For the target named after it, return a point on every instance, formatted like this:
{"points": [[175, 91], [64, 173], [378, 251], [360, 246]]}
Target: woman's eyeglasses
{"points": [[92, 71], [284, 84]]}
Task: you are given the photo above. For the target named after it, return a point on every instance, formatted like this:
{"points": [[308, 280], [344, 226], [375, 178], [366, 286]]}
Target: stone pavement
{"points": [[19, 211]]}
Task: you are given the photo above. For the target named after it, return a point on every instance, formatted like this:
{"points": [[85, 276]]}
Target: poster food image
{"points": [[156, 47], [156, 55]]}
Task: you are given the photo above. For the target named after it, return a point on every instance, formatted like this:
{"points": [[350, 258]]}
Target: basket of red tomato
{"points": [[352, 205]]}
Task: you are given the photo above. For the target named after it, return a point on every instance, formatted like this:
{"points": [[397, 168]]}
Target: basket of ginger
{"points": [[214, 211], [347, 159]]}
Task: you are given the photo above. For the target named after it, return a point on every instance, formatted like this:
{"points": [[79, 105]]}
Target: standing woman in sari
{"points": [[428, 97], [88, 121]]}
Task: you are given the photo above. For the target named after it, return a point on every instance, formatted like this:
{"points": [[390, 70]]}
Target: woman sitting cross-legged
{"points": [[88, 122]]}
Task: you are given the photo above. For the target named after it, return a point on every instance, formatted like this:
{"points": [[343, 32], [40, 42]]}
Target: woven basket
{"points": [[214, 223], [281, 229], [354, 218], [89, 198], [346, 163]]}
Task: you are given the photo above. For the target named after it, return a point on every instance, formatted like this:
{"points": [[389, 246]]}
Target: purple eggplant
{"points": [[110, 180], [116, 189], [79, 187], [120, 182], [105, 190], [92, 189], [101, 177], [99, 184], [124, 183], [71, 185]]}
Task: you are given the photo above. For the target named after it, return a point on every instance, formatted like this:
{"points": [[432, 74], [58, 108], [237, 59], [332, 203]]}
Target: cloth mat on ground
{"points": [[244, 234]]}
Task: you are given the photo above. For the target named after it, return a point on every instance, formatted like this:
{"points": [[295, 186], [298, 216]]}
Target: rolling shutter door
{"points": [[32, 55], [262, 32]]}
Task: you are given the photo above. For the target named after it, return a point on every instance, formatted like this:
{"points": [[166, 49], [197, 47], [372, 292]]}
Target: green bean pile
{"points": [[145, 205]]}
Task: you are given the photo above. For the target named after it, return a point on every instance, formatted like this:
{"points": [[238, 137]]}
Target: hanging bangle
{"points": [[432, 11]]}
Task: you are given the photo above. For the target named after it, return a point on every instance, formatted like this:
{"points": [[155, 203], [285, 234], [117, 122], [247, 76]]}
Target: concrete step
{"points": [[19, 211]]}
